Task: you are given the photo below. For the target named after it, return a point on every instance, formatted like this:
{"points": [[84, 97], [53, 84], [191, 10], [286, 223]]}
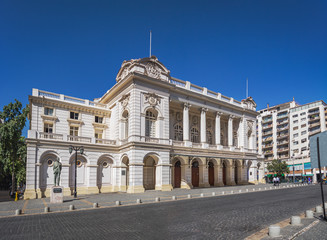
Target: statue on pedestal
{"points": [[56, 171]]}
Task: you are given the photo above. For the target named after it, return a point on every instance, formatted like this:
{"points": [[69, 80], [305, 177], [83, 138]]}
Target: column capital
{"points": [[231, 117], [187, 106], [204, 110], [219, 114]]}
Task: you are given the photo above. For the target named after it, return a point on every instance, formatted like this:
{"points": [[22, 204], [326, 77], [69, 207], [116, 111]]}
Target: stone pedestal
{"points": [[57, 194]]}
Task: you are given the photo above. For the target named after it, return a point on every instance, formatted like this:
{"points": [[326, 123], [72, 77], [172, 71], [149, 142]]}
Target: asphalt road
{"points": [[225, 217]]}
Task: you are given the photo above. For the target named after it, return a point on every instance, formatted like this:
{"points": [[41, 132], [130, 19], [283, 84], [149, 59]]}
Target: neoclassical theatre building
{"points": [[149, 131]]}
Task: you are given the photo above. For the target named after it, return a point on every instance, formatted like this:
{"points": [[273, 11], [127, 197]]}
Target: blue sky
{"points": [[77, 47]]}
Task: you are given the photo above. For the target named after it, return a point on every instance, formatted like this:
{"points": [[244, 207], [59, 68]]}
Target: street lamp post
{"points": [[76, 149], [293, 168]]}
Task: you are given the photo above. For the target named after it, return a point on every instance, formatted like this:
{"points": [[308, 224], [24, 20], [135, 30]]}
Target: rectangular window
{"points": [[98, 119], [48, 111], [296, 150], [296, 121], [98, 134], [74, 115], [295, 128], [303, 149], [303, 140], [296, 143], [303, 119], [302, 114], [48, 128], [295, 115], [295, 135], [303, 125], [303, 132], [73, 131]]}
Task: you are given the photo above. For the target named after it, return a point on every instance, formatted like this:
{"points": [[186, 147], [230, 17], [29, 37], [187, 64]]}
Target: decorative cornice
{"points": [[70, 106], [49, 118]]}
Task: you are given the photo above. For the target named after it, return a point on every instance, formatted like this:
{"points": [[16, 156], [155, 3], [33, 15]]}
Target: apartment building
{"points": [[284, 131]]}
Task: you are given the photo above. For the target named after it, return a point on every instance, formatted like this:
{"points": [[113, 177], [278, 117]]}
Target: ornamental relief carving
{"points": [[124, 100], [249, 128], [152, 98], [152, 70]]}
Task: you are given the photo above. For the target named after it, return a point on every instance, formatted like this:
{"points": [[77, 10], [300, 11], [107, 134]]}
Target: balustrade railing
{"points": [[78, 139], [53, 136]]}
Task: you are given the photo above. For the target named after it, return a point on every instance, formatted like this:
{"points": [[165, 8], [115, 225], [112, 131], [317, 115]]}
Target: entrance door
{"points": [[195, 174], [177, 173], [224, 173], [211, 174]]}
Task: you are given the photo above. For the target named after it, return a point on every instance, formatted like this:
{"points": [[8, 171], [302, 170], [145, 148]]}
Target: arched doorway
{"points": [[224, 172], [149, 173], [81, 172], [125, 179], [211, 173], [46, 178], [177, 174], [104, 172], [195, 174]]}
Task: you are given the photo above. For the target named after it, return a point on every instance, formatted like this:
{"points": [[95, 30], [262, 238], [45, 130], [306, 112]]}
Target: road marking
{"points": [[25, 205], [88, 202], [45, 204], [303, 230]]}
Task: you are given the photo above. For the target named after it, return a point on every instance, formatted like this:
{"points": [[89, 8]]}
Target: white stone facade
{"points": [[149, 131]]}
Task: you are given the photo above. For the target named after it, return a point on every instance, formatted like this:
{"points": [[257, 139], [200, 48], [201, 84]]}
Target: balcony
{"points": [[313, 112], [268, 152], [282, 143], [267, 126], [313, 132], [51, 136], [267, 146], [266, 120], [282, 149], [178, 143], [312, 118], [267, 133], [281, 136], [267, 139], [282, 122], [78, 139], [282, 116], [105, 141], [314, 124], [282, 128]]}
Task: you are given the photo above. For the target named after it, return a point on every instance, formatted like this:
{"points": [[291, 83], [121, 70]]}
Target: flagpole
{"points": [[247, 88], [150, 41]]}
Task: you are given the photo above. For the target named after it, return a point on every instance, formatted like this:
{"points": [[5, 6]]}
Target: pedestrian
{"points": [[277, 180], [274, 180]]}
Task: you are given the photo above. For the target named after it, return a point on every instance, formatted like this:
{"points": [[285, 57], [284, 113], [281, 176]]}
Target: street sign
{"points": [[322, 148]]}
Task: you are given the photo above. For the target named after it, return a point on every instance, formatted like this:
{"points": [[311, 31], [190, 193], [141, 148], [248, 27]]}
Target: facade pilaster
{"points": [[186, 122], [203, 129], [230, 130], [217, 128], [259, 135]]}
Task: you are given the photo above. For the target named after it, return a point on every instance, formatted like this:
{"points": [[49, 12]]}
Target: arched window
{"points": [[178, 132], [209, 137], [150, 123], [125, 119], [194, 135]]}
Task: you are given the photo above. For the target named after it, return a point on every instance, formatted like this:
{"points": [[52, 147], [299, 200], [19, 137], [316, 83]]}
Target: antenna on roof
{"points": [[247, 87], [150, 42]]}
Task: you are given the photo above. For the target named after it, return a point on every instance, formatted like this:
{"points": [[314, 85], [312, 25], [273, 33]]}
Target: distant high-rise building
{"points": [[283, 133]]}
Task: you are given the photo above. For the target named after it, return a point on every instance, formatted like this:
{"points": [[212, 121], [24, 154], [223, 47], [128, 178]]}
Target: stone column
{"points": [[203, 175], [217, 128], [185, 183], [186, 123], [203, 130], [230, 130]]}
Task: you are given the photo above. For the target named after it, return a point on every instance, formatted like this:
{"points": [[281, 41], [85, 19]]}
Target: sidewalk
{"points": [[83, 202]]}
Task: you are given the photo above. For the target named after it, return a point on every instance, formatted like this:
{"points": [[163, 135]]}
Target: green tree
{"points": [[12, 144], [279, 167]]}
